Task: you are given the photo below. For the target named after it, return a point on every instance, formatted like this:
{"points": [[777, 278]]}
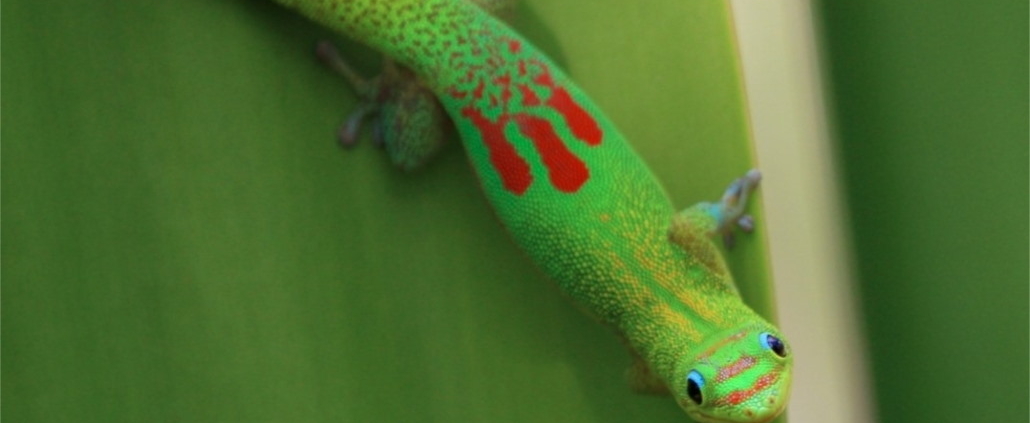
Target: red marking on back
{"points": [[504, 82], [529, 98], [478, 92], [489, 80], [512, 168], [737, 397], [566, 171], [454, 92], [583, 125], [545, 79]]}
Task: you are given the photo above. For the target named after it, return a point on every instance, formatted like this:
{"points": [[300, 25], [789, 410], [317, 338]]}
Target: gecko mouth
{"points": [[772, 406]]}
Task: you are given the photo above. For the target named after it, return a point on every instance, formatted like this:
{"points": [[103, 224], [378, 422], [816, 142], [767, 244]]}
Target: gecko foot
{"points": [[729, 212], [722, 218], [406, 118]]}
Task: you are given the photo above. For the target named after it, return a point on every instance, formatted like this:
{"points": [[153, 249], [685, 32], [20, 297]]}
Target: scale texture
{"points": [[575, 196]]}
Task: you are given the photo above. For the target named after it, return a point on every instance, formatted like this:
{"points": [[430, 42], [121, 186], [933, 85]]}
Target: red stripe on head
{"points": [[712, 349], [737, 397], [735, 368]]}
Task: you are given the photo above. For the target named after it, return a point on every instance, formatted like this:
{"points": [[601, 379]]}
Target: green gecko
{"points": [[573, 194]]}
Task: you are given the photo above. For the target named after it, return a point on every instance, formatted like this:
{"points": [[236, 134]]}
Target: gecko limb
{"points": [[406, 118]]}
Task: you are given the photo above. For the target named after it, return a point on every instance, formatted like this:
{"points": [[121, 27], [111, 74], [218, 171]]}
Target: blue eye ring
{"points": [[772, 343], [694, 384]]}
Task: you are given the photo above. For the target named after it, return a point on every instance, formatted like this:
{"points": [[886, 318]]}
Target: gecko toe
{"points": [[746, 223]]}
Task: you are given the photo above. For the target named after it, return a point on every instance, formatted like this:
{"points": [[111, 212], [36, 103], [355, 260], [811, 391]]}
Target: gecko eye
{"points": [[694, 384], [772, 343]]}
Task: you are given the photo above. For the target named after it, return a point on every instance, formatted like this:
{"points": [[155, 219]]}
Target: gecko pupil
{"points": [[776, 345], [694, 384], [694, 392]]}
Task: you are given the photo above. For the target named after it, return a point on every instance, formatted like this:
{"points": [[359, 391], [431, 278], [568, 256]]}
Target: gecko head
{"points": [[740, 375]]}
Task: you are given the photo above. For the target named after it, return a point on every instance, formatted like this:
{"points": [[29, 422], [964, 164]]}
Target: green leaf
{"points": [[183, 241]]}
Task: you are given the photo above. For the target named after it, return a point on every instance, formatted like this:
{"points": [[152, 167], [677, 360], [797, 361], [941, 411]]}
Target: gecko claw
{"points": [[351, 128], [746, 223], [368, 91]]}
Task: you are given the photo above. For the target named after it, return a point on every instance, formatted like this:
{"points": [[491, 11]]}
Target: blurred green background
{"points": [[183, 241], [931, 106]]}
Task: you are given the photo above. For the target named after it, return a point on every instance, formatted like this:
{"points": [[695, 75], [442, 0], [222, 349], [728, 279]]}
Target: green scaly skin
{"points": [[576, 197]]}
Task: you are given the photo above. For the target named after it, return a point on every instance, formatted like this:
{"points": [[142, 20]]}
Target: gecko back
{"points": [[576, 197]]}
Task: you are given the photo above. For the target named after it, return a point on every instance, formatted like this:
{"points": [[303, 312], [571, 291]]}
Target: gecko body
{"points": [[575, 196]]}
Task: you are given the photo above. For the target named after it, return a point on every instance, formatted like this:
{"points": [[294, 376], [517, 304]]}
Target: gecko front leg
{"points": [[723, 218], [692, 228]]}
